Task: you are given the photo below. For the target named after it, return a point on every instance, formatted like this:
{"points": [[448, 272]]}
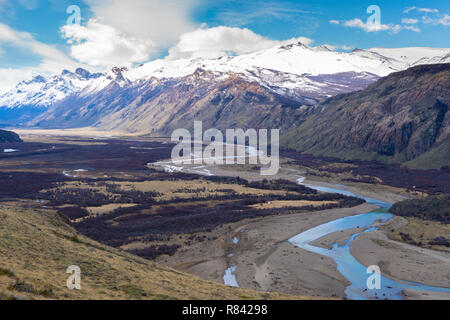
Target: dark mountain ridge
{"points": [[9, 136], [401, 118]]}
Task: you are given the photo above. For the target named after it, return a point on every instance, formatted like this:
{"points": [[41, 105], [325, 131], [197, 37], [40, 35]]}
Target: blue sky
{"points": [[33, 36], [286, 19]]}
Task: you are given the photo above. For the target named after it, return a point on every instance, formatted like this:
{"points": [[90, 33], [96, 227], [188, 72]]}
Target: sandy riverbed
{"points": [[403, 261], [263, 257], [265, 261]]}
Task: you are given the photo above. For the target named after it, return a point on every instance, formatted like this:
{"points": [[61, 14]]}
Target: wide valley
{"points": [[304, 232]]}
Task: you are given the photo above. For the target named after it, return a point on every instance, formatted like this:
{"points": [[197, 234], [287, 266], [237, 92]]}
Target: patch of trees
{"points": [[428, 181], [154, 251], [80, 197], [436, 208], [370, 180], [281, 184], [9, 136], [111, 155], [26, 184], [407, 238], [125, 225], [440, 241], [87, 197], [73, 213]]}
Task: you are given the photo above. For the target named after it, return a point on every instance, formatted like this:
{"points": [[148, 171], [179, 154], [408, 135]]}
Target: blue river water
{"points": [[347, 265]]}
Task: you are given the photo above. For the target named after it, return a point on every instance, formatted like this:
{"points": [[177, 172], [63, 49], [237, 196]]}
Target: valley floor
{"points": [[264, 260], [253, 251]]}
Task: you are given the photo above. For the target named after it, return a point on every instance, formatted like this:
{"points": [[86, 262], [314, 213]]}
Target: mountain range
{"points": [[296, 73], [32, 97], [357, 98]]}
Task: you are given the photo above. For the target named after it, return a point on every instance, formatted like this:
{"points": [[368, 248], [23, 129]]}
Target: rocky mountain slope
{"points": [[403, 117], [9, 136], [161, 106], [32, 97]]}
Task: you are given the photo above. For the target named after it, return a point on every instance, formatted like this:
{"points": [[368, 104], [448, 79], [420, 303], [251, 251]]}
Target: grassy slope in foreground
{"points": [[36, 247]]}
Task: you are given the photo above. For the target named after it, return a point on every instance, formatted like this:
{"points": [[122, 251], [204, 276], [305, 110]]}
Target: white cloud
{"points": [[152, 26], [334, 21], [127, 32], [409, 21], [161, 21], [373, 27], [345, 47], [9, 77], [219, 41], [29, 4], [262, 10], [52, 59], [429, 10], [396, 28], [50, 55], [408, 9], [412, 28], [6, 7], [445, 21], [98, 44]]}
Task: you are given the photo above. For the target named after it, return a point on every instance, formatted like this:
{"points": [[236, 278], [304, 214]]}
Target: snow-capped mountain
{"points": [[296, 70], [33, 97], [301, 74], [44, 92], [300, 59]]}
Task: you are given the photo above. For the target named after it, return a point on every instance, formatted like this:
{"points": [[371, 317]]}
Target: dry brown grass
{"points": [[173, 189], [107, 208], [37, 246], [277, 204], [202, 188], [423, 231]]}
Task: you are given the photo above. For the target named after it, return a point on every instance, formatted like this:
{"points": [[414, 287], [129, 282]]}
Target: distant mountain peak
{"points": [[41, 92], [119, 72], [85, 74], [294, 44], [35, 79], [66, 72]]}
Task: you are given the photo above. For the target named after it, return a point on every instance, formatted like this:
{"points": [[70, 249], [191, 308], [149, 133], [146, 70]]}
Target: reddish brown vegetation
{"points": [[428, 181]]}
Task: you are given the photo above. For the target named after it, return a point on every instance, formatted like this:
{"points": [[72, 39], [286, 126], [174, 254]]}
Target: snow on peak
{"points": [[299, 59], [42, 92], [286, 67]]}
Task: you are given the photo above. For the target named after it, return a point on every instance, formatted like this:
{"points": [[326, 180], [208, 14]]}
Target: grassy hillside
{"points": [[436, 157], [37, 246]]}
